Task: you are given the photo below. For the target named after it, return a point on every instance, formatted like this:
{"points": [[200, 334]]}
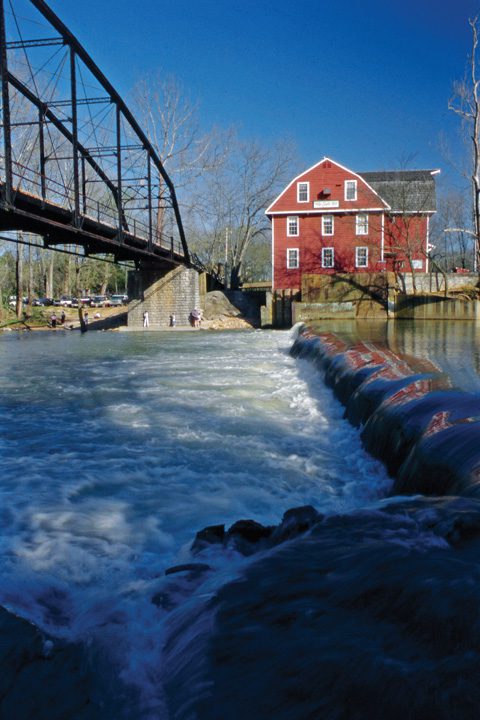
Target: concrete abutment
{"points": [[162, 293]]}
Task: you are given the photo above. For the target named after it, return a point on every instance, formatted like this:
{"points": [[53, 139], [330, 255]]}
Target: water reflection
{"points": [[452, 346]]}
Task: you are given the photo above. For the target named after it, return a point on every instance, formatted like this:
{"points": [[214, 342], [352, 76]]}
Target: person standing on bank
{"points": [[145, 319]]}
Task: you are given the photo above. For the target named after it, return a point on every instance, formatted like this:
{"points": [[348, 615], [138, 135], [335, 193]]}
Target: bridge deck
{"points": [[56, 224]]}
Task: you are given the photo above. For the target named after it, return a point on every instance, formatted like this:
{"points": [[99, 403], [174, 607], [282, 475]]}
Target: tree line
{"points": [[28, 270]]}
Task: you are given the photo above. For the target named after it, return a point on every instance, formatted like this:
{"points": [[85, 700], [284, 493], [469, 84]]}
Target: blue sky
{"points": [[364, 82]]}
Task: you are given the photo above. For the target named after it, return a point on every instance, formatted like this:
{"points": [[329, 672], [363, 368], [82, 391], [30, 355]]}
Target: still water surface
{"points": [[117, 447]]}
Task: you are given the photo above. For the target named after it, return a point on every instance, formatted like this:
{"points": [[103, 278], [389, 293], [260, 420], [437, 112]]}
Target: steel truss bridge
{"points": [[76, 168]]}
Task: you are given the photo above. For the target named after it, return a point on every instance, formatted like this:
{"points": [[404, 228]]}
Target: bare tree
{"points": [[454, 246], [411, 197], [171, 122], [240, 191], [465, 102]]}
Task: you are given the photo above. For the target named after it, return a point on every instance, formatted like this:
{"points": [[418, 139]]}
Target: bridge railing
{"points": [[32, 183]]}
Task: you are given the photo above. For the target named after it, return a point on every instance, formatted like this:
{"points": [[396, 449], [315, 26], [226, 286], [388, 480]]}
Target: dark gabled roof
{"points": [[404, 190]]}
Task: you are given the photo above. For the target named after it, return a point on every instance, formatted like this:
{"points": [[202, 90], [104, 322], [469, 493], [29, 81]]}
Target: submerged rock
{"points": [[295, 522], [196, 568], [372, 614], [249, 536], [211, 535], [249, 530], [246, 535]]}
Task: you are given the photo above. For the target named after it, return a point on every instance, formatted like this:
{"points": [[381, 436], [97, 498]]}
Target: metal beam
{"points": [[73, 97], [21, 87], [80, 101], [7, 139], [42, 154], [39, 42], [150, 218], [119, 172]]}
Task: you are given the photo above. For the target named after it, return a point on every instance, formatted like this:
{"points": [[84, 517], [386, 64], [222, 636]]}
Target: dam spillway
{"points": [[426, 431]]}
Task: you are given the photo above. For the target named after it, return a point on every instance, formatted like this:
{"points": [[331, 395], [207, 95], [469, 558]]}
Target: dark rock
{"points": [[247, 536], [295, 522], [211, 535], [249, 530], [196, 568]]}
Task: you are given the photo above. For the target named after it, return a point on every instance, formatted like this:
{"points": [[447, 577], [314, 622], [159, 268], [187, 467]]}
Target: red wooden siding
{"points": [[326, 174], [383, 240]]}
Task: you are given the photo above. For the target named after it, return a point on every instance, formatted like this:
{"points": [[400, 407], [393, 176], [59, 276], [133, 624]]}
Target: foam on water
{"points": [[117, 448]]}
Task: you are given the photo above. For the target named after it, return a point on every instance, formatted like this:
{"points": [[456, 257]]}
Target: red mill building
{"points": [[330, 219]]}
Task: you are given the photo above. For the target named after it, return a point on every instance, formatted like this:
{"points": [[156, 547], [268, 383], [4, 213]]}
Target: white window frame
{"points": [[357, 260], [296, 263], [297, 226], [351, 183], [332, 250], [324, 228], [307, 186], [361, 224]]}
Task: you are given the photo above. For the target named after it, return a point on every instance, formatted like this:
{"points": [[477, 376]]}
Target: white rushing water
{"points": [[116, 448]]}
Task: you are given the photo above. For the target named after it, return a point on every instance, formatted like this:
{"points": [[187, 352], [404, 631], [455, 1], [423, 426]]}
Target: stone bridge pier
{"points": [[162, 293]]}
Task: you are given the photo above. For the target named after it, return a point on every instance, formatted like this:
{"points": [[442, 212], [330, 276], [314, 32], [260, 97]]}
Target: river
{"points": [[118, 447]]}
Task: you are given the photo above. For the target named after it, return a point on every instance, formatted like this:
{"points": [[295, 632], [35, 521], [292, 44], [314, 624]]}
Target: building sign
{"points": [[326, 203]]}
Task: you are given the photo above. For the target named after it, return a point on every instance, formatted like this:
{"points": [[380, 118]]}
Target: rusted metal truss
{"points": [[75, 165]]}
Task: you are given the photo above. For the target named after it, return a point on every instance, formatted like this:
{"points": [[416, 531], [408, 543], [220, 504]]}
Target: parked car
{"points": [[99, 301], [116, 300], [12, 300], [66, 301], [43, 302]]}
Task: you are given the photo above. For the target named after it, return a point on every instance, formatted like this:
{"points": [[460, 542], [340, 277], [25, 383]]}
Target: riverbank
{"points": [[114, 318], [38, 319]]}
